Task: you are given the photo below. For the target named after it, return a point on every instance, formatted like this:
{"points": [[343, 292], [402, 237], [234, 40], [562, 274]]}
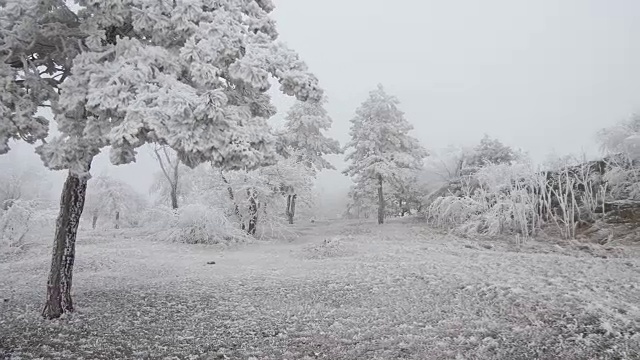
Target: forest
{"points": [[473, 251]]}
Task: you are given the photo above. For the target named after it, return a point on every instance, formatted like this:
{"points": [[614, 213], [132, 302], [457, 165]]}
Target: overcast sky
{"points": [[538, 74], [543, 75]]}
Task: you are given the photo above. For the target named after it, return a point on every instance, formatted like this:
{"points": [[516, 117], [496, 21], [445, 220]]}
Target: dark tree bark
{"points": [[174, 184], [253, 213], [380, 201], [61, 274], [174, 198], [117, 226], [291, 207]]}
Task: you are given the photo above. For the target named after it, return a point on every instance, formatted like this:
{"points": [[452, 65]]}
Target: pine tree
{"points": [[303, 135], [304, 126], [381, 147], [491, 152], [192, 75]]}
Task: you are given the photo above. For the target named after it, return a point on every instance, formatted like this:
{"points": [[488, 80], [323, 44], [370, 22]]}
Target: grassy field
{"points": [[342, 290]]}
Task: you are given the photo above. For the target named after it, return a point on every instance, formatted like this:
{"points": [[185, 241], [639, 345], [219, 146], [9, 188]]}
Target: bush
{"points": [[14, 223], [503, 200], [199, 224]]}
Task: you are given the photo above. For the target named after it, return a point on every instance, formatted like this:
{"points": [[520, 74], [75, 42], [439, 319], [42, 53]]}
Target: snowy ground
{"points": [[342, 290]]}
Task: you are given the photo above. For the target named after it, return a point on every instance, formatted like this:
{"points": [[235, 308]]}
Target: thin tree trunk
{"points": [[174, 185], [94, 221], [61, 274], [380, 201], [174, 197], [291, 207], [117, 226], [288, 211], [253, 213]]}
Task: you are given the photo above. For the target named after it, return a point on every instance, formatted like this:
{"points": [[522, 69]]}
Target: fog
{"points": [[542, 75]]}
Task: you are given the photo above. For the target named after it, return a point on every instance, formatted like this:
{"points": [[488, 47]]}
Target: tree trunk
{"points": [[174, 197], [117, 225], [380, 201], [288, 211], [174, 185], [291, 207], [94, 221], [60, 276], [253, 213]]}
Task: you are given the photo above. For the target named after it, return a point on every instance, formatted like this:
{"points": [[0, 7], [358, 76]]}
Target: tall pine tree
{"points": [[303, 138], [381, 148]]}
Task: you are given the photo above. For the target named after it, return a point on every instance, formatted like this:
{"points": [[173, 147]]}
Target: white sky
{"points": [[537, 74], [542, 75]]}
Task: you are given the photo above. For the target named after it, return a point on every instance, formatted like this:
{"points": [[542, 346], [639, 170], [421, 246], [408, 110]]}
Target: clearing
{"points": [[342, 290]]}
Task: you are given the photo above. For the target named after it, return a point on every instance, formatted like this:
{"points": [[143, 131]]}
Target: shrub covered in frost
{"points": [[14, 223], [23, 218], [199, 224], [505, 201]]}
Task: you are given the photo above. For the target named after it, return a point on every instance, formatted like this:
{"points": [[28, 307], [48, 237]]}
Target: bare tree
{"points": [[170, 165]]}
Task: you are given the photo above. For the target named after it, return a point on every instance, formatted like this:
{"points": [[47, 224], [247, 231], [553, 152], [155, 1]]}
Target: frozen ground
{"points": [[342, 290]]}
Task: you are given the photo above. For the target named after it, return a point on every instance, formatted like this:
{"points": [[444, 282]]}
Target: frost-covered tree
{"points": [[251, 197], [168, 184], [20, 181], [294, 178], [381, 147], [491, 152], [623, 137], [401, 196], [408, 191], [304, 126], [111, 197], [363, 201], [265, 186], [192, 75], [620, 144], [448, 164], [303, 135]]}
